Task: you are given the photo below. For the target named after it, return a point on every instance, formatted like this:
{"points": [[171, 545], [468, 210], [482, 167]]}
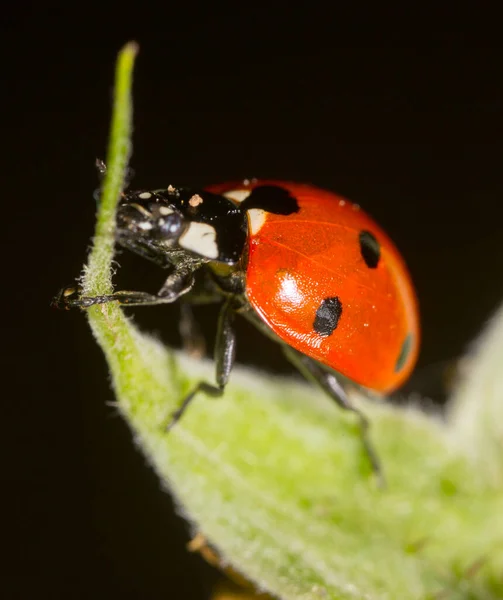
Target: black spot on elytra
{"points": [[404, 353], [273, 199], [327, 316], [370, 249]]}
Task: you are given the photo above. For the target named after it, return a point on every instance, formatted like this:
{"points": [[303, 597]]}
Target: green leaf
{"points": [[476, 410], [274, 475]]}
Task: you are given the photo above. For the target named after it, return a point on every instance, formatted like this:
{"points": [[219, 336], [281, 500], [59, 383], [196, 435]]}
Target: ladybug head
{"points": [[149, 219]]}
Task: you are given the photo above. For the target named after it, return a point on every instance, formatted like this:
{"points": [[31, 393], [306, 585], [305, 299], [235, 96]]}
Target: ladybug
{"points": [[308, 267]]}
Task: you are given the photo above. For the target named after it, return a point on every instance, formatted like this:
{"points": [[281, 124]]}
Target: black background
{"points": [[400, 112]]}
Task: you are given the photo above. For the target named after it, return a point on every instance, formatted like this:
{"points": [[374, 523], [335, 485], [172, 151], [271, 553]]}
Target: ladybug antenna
{"points": [[101, 167]]}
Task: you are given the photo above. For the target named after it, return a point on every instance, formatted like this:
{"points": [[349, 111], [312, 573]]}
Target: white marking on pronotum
{"points": [[145, 195], [200, 238], [165, 210], [237, 195], [256, 218]]}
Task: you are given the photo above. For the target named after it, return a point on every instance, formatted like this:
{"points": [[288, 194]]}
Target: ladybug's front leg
{"points": [[327, 381], [225, 352], [177, 284]]}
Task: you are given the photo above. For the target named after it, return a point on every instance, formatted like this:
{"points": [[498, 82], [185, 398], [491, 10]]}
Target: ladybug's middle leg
{"points": [[327, 381], [225, 352]]}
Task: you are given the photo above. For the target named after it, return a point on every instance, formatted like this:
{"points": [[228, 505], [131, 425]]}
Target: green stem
{"points": [[97, 276]]}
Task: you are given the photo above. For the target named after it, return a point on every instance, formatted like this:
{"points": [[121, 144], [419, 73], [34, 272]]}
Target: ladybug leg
{"points": [[225, 352], [70, 298], [192, 338], [327, 381], [178, 283]]}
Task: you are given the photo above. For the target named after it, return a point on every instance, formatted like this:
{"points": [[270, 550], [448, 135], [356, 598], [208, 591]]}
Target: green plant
{"points": [[274, 476]]}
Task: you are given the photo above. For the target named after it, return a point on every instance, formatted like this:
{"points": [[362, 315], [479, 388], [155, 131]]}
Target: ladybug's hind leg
{"points": [[327, 381], [225, 352]]}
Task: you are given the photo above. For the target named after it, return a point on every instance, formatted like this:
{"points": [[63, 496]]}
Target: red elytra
{"points": [[297, 261]]}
